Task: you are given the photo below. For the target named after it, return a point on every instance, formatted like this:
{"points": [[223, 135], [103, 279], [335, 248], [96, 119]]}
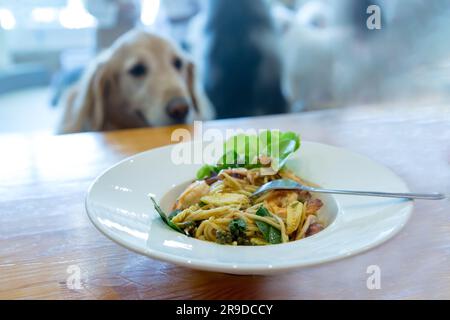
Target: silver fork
{"points": [[286, 184]]}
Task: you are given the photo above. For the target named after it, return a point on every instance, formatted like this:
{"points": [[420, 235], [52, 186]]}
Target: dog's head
{"points": [[142, 80]]}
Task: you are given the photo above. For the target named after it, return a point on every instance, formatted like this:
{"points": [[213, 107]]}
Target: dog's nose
{"points": [[178, 109]]}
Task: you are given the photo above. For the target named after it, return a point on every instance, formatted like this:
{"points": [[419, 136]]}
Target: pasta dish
{"points": [[219, 206]]}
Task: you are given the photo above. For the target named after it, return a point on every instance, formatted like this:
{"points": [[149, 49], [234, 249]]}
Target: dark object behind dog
{"points": [[241, 72]]}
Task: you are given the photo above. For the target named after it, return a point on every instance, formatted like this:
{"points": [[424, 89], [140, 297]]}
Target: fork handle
{"points": [[425, 196]]}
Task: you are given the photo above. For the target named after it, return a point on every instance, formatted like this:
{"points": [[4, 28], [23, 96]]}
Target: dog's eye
{"points": [[138, 70], [177, 63]]}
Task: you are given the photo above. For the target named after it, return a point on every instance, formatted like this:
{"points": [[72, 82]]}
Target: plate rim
{"points": [[227, 267]]}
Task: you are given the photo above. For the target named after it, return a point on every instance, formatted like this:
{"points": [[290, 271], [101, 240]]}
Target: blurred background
{"points": [[325, 54]]}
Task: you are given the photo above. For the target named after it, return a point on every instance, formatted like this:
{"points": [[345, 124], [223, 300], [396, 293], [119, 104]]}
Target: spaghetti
{"points": [[220, 209]]}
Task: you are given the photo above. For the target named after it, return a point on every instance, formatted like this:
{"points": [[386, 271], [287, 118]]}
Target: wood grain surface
{"points": [[44, 228]]}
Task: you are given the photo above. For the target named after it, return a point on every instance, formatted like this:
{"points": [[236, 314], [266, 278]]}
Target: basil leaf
{"points": [[274, 235], [264, 228], [205, 171], [263, 212], [164, 217], [237, 227], [174, 213], [270, 233]]}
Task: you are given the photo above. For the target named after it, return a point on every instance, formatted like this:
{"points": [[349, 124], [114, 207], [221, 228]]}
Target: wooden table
{"points": [[44, 229]]}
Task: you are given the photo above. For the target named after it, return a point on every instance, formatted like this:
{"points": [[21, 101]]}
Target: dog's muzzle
{"points": [[177, 109]]}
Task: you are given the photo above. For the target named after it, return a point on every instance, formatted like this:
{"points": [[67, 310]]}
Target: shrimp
{"points": [[192, 195], [278, 201]]}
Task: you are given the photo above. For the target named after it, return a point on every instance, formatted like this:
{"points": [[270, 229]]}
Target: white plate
{"points": [[118, 205]]}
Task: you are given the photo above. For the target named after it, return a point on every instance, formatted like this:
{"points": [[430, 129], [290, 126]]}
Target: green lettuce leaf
{"points": [[205, 171], [243, 151]]}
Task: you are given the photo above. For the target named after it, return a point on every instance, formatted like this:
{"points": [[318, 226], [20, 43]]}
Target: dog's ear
{"points": [[87, 109], [200, 101]]}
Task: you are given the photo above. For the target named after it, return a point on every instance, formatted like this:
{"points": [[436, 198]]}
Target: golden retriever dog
{"points": [[142, 80]]}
